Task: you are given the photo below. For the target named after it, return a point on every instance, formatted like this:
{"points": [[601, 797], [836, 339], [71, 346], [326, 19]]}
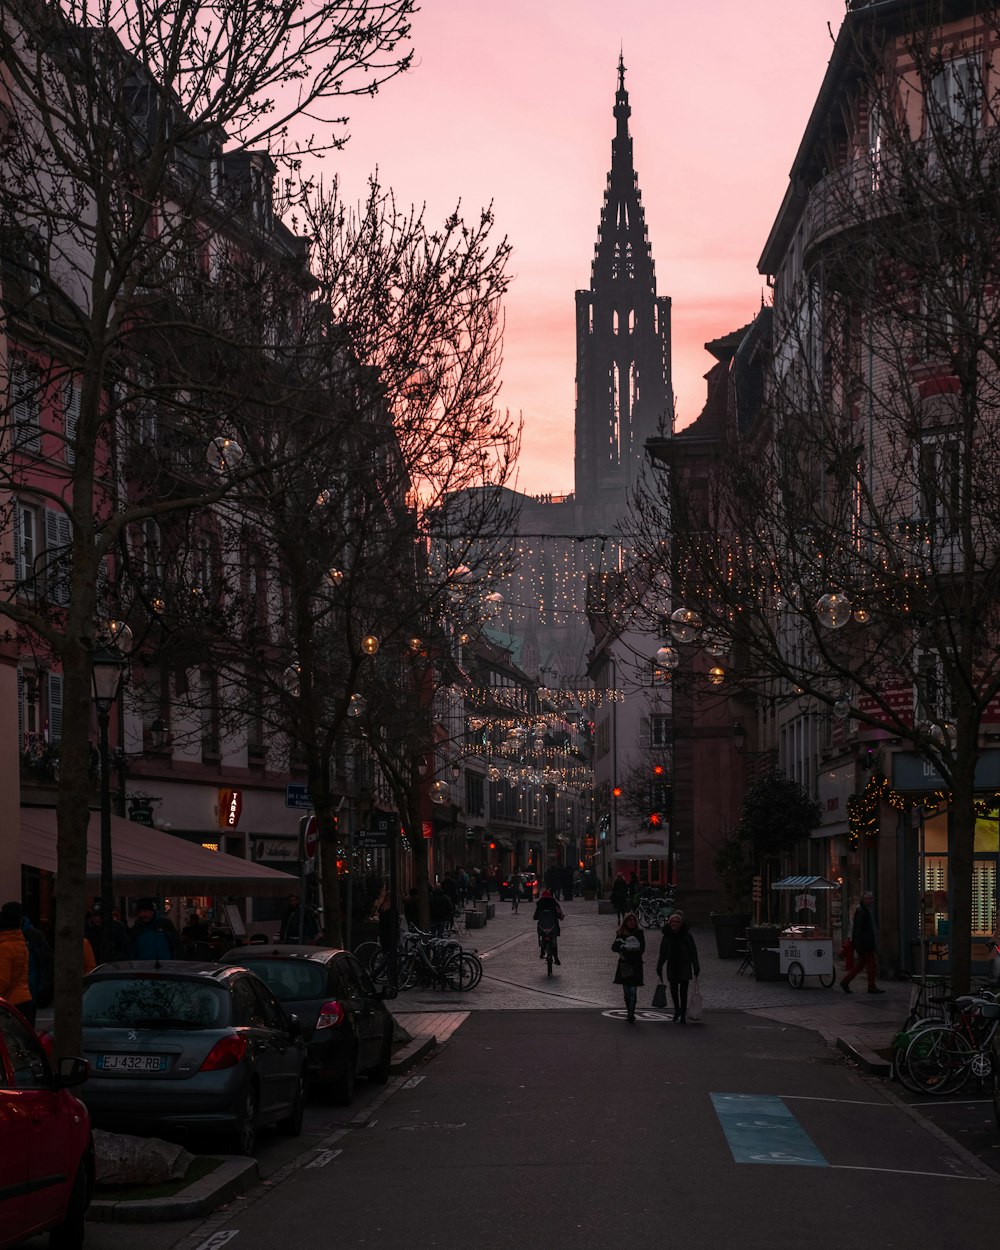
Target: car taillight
{"points": [[226, 1053], [329, 1014]]}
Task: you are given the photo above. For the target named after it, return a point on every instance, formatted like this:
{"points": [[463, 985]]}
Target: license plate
{"points": [[132, 1063]]}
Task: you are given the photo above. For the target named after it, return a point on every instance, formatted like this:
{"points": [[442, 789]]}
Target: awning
{"points": [[805, 883], [147, 861]]}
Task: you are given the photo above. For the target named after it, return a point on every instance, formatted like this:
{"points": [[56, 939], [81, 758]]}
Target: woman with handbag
{"points": [[629, 945], [679, 953]]}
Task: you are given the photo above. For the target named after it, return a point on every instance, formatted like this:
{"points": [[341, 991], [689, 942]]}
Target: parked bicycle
{"points": [[654, 906], [940, 1058], [423, 959]]}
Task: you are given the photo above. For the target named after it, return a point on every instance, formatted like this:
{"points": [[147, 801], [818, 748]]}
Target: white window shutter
{"points": [[71, 414], [20, 709], [55, 707], [58, 536], [19, 573], [24, 407]]}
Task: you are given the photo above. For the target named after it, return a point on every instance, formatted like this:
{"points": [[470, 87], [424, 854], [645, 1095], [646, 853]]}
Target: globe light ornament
{"points": [[356, 706], [684, 624], [493, 773], [439, 792], [716, 675], [862, 615], [224, 455], [715, 645], [415, 643], [335, 577], [833, 610], [116, 636], [842, 707], [667, 657], [291, 680], [369, 644]]}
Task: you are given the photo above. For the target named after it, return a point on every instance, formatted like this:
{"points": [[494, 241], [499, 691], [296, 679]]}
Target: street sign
{"points": [[371, 839], [310, 837], [297, 796]]}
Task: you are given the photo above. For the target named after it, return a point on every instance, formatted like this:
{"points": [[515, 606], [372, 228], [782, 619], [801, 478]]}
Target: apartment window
{"points": [[24, 406], [660, 731], [932, 700], [939, 482], [956, 92], [875, 145], [475, 794], [58, 547]]}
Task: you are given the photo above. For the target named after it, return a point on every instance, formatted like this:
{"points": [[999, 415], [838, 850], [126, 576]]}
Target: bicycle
{"points": [[653, 909], [940, 1058]]}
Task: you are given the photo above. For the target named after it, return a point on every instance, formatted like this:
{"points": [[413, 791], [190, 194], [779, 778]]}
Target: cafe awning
{"points": [[148, 861]]}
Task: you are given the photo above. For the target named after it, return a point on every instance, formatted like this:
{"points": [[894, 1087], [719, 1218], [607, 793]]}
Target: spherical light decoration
{"points": [[715, 645], [463, 639], [324, 499], [667, 657], [493, 773], [862, 615], [539, 744], [158, 605], [415, 643], [116, 636], [224, 455], [334, 577], [357, 705], [684, 624], [369, 644], [717, 675], [291, 680], [662, 674], [833, 610], [842, 707], [439, 792]]}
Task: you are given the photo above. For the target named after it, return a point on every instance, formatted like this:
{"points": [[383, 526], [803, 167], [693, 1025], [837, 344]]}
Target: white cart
{"points": [[806, 950]]}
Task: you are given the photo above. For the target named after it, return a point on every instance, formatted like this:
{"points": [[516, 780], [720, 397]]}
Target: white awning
{"points": [[147, 861]]}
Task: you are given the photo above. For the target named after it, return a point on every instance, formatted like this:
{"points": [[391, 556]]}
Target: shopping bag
{"points": [[694, 1002], [660, 995]]}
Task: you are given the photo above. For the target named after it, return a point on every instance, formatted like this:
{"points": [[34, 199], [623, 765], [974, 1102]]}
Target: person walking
{"points": [[14, 961], [619, 896], [153, 936], [630, 946], [865, 940], [680, 955]]}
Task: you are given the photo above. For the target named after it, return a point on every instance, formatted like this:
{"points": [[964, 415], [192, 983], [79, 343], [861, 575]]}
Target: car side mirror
{"points": [[294, 1026], [70, 1071]]}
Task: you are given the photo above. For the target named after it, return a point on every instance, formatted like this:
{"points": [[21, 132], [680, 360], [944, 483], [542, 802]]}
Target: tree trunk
{"points": [[961, 847], [72, 817]]}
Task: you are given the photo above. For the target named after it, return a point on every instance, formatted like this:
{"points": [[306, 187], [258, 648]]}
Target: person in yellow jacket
{"points": [[14, 964]]}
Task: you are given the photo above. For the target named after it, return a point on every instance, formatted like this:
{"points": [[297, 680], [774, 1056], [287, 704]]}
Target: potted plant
{"points": [[735, 876]]}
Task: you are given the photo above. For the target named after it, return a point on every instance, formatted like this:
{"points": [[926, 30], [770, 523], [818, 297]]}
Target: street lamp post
{"points": [[106, 671]]}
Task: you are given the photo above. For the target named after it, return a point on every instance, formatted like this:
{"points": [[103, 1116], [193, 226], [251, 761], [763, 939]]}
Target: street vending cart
{"points": [[805, 947]]}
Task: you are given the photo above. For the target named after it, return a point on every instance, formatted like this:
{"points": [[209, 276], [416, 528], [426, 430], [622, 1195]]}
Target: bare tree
{"points": [[134, 140], [843, 544]]}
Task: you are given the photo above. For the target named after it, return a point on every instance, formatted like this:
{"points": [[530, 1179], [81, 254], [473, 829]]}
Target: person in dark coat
{"points": [[93, 931], [411, 908], [548, 909], [41, 965], [292, 924], [630, 946], [619, 896], [442, 914], [679, 953], [450, 888], [152, 936], [865, 940]]}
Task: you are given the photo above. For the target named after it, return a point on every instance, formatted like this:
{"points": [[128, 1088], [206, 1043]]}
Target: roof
{"points": [[146, 861]]}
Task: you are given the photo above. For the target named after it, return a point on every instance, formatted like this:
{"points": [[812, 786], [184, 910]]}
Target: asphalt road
{"points": [[574, 1129]]}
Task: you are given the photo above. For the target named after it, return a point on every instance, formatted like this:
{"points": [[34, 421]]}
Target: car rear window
{"points": [[290, 980], [154, 1001]]}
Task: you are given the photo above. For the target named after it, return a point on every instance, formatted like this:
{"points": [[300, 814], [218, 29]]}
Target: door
{"points": [[289, 1056], [267, 1056]]}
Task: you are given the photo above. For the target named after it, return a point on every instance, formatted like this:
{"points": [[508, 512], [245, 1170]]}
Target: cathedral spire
{"points": [[622, 110]]}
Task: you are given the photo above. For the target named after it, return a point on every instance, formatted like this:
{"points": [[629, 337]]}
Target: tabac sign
{"points": [[230, 808]]}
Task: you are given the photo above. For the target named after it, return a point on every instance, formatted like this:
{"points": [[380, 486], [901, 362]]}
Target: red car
{"points": [[46, 1150]]}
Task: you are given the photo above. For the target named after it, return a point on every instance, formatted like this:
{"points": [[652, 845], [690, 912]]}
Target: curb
{"points": [[233, 1176], [863, 1057], [405, 1058]]}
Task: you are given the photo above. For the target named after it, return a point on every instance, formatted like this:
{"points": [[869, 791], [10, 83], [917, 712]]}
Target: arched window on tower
{"points": [[631, 321], [615, 432], [614, 321]]}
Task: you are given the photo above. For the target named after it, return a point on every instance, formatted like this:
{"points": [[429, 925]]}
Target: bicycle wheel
{"points": [[365, 952], [938, 1061], [548, 957], [462, 972]]}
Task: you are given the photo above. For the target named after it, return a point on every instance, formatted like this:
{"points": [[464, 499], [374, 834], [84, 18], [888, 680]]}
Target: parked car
{"points": [[346, 1024], [185, 1046], [46, 1149]]}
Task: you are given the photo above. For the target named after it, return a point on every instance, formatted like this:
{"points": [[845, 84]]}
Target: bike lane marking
{"points": [[219, 1239], [759, 1128]]}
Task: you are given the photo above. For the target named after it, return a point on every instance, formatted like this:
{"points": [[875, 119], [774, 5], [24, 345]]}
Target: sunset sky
{"points": [[511, 102]]}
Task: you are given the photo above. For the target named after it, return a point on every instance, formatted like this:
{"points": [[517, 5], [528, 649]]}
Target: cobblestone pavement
{"points": [[515, 979]]}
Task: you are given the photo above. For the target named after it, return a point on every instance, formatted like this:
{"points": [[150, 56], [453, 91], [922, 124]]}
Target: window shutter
{"points": [[24, 407], [71, 413], [20, 709], [55, 707], [58, 538], [19, 556]]}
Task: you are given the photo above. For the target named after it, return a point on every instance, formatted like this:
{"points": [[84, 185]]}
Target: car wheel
{"points": [[69, 1234], [380, 1073], [342, 1089], [292, 1126], [245, 1137]]}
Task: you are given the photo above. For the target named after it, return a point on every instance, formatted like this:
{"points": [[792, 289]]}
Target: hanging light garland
{"points": [[863, 808]]}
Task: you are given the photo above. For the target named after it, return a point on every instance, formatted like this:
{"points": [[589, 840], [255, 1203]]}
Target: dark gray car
{"points": [[185, 1046], [347, 1027]]}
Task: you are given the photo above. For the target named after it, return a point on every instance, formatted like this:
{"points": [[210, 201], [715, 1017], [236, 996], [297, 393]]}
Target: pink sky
{"points": [[512, 102]]}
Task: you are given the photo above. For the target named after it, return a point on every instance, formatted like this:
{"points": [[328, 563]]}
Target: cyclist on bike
{"points": [[547, 915]]}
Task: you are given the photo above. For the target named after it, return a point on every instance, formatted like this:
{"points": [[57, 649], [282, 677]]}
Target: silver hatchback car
{"points": [[179, 1046]]}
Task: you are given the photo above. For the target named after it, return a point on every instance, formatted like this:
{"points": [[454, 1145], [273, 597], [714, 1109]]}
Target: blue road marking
{"points": [[761, 1129]]}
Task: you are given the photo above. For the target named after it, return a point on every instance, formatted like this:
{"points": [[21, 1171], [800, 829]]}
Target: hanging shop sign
{"points": [[230, 808]]}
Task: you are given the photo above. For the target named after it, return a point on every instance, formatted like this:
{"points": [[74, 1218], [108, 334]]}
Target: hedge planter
{"points": [[730, 928]]}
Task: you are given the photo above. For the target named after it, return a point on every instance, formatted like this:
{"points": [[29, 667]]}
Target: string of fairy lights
{"points": [[863, 808]]}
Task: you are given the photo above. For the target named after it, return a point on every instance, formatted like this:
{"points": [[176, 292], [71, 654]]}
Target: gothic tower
{"points": [[624, 393]]}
